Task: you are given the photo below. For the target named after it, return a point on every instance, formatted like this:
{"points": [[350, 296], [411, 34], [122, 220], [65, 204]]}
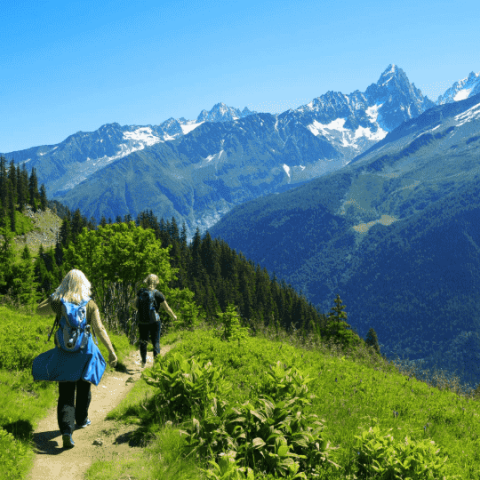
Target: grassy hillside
{"points": [[325, 414], [34, 229]]}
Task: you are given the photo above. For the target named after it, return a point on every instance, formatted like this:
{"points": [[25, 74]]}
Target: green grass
{"points": [[353, 392]]}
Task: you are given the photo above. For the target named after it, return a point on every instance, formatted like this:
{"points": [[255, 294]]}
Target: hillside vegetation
{"points": [[234, 398], [273, 406]]}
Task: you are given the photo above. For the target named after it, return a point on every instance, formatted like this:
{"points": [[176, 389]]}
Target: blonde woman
{"points": [[147, 327], [74, 288]]}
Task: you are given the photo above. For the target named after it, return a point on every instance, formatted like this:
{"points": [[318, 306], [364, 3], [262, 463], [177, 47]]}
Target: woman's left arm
{"points": [[45, 308]]}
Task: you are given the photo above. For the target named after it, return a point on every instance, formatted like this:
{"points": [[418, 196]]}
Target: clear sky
{"points": [[69, 66]]}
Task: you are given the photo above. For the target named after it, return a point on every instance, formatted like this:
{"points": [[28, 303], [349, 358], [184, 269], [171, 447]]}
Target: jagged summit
{"points": [[393, 74], [222, 113], [465, 88]]}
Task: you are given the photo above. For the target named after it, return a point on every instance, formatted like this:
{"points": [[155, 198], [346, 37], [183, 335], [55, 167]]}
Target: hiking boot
{"points": [[68, 441], [86, 424], [143, 364]]}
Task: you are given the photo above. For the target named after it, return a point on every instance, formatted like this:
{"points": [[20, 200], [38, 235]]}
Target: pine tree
{"points": [[3, 182], [77, 224], [43, 198], [66, 236], [24, 184], [12, 176], [338, 329], [24, 285], [372, 341], [7, 256], [33, 189], [173, 230], [92, 224], [11, 206], [196, 270], [40, 271], [183, 238], [21, 194], [103, 221]]}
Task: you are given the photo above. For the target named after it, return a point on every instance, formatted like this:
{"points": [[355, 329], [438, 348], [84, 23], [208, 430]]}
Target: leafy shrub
{"points": [[269, 435], [280, 383], [228, 469], [184, 386], [380, 456]]}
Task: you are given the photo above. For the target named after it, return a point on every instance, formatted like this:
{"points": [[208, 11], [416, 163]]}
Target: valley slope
{"points": [[395, 233]]}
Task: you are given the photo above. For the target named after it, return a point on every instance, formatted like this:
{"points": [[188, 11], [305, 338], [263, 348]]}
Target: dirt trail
{"points": [[52, 462]]}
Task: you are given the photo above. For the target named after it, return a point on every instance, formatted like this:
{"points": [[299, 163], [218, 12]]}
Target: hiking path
{"points": [[53, 462]]}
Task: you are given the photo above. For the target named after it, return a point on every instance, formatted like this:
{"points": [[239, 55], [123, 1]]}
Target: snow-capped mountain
{"points": [[222, 113], [461, 90], [200, 169], [352, 123]]}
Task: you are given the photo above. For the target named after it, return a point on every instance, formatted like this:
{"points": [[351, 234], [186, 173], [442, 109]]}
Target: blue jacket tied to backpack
{"points": [[77, 356]]}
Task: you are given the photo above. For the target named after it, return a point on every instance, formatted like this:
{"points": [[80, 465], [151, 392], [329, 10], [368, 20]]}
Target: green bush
{"points": [[228, 469], [380, 456], [280, 383], [184, 386], [269, 434]]}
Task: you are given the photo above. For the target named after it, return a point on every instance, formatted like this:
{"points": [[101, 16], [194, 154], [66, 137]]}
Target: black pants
{"points": [[153, 331], [69, 411]]}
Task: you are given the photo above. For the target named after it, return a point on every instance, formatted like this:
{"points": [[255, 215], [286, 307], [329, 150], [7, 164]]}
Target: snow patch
{"points": [[348, 136], [214, 157], [372, 112], [318, 128], [167, 137], [462, 94], [287, 169], [468, 115], [188, 127], [141, 137], [366, 132]]}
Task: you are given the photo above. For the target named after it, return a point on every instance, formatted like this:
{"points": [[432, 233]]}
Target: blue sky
{"points": [[69, 66]]}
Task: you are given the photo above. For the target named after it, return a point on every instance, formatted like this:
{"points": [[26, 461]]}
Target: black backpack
{"points": [[146, 307]]}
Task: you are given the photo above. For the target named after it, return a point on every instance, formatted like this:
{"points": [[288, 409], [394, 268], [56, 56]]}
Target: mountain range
{"points": [[198, 170], [372, 195], [395, 233]]}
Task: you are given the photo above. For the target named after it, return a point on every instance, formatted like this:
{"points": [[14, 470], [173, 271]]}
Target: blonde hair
{"points": [[151, 280], [74, 287]]}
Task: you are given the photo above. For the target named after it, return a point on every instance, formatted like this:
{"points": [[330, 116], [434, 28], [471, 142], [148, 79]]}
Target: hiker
{"points": [[149, 324], [75, 289]]}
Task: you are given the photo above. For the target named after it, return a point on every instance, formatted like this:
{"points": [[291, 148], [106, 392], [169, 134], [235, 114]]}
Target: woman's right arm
{"points": [[167, 308], [103, 335]]}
